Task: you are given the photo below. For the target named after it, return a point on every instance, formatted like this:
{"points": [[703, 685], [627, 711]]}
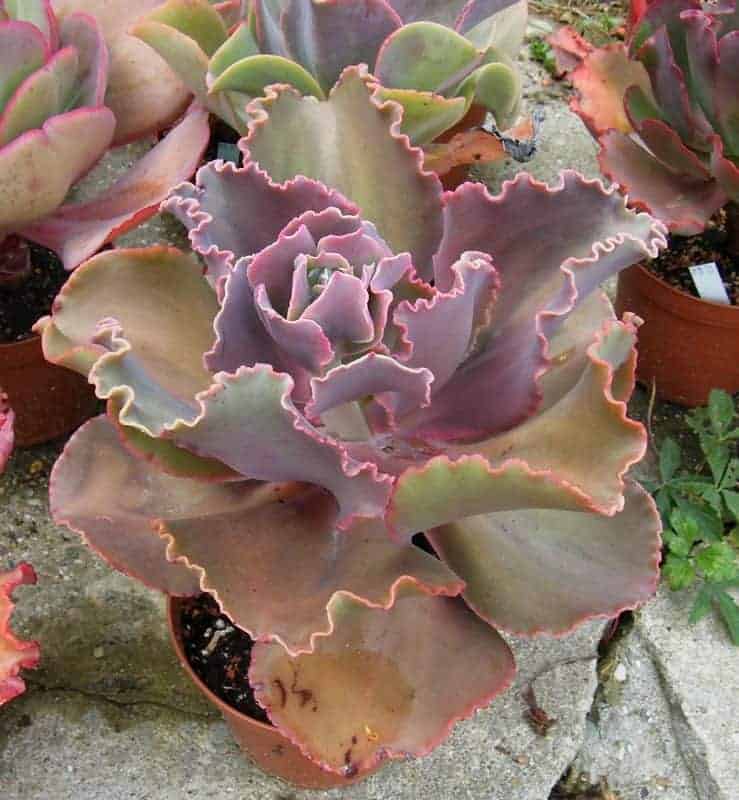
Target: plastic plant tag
{"points": [[708, 283]]}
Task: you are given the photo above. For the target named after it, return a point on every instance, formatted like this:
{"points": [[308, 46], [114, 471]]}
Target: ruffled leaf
{"points": [[352, 144], [77, 230], [234, 212], [118, 319], [15, 654], [441, 331], [442, 491], [386, 683], [586, 438], [545, 571], [551, 248], [425, 115], [113, 500], [305, 565], [245, 413]]}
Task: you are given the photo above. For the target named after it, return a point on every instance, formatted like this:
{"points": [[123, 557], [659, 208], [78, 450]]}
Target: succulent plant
{"points": [[14, 653], [664, 109], [435, 72], [364, 359], [54, 127]]}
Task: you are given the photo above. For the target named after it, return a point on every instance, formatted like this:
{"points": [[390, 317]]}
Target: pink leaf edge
{"points": [[15, 654]]}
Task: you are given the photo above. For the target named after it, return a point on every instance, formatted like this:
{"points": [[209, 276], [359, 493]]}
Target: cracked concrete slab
{"points": [[665, 721]]}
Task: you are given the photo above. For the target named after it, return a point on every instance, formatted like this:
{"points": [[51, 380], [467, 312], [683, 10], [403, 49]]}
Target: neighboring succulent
{"points": [[54, 127], [14, 653], [346, 374], [436, 73], [664, 109]]}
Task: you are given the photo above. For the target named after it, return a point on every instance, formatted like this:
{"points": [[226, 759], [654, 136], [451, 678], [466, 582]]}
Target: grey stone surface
{"points": [[666, 715], [110, 714]]}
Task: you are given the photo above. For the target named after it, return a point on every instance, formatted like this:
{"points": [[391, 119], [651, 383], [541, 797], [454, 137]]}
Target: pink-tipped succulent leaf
{"points": [[15, 654], [664, 109], [55, 124], [357, 365]]}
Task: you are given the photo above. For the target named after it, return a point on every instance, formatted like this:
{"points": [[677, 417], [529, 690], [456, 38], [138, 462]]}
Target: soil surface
{"points": [[687, 251], [22, 306], [220, 654]]}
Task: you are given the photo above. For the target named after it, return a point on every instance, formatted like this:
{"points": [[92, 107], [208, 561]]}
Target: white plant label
{"points": [[707, 280]]}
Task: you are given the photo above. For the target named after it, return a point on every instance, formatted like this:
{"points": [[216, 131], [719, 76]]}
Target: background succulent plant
{"points": [[14, 653], [435, 72], [664, 109], [352, 369], [54, 126]]}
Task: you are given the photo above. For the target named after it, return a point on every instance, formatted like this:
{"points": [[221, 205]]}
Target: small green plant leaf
{"points": [[710, 524], [686, 526], [718, 456], [729, 612], [669, 458], [717, 562], [664, 501], [720, 411], [701, 605], [731, 498], [676, 544], [679, 572]]}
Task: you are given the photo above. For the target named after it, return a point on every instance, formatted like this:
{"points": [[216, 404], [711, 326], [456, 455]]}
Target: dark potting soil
{"points": [[672, 265], [22, 306], [220, 654]]}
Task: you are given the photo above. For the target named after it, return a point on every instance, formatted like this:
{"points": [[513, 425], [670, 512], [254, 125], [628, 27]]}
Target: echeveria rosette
{"points": [[436, 72], [315, 399], [54, 126], [664, 109]]}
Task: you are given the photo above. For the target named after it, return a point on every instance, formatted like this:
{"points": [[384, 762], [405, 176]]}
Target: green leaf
{"points": [[240, 44], [731, 476], [669, 458], [701, 605], [686, 526], [720, 411], [678, 572], [731, 499], [425, 115], [710, 524], [729, 612], [196, 19], [676, 544], [717, 562], [713, 498], [718, 456]]}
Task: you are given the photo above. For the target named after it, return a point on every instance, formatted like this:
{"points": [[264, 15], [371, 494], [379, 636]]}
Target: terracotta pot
{"points": [[264, 745], [48, 401], [687, 346]]}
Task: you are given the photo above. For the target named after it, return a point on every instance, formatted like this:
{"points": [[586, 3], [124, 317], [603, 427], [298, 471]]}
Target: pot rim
{"points": [[174, 626], [682, 304]]}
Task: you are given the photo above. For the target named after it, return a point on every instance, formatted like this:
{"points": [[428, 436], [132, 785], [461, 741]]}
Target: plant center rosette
{"points": [[347, 373]]}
